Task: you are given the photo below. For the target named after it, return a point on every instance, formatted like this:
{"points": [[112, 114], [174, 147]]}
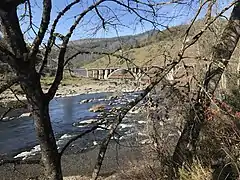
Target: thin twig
{"points": [[77, 137], [5, 113]]}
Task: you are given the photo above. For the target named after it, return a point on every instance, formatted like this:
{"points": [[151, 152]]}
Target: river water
{"points": [[18, 134]]}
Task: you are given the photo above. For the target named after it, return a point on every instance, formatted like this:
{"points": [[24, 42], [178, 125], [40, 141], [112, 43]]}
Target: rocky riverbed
{"points": [[79, 159], [81, 86], [129, 140]]}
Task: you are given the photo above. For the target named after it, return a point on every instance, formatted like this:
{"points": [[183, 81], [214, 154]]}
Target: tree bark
{"points": [[9, 82], [12, 34], [50, 156], [24, 67], [186, 146], [222, 52], [39, 106]]}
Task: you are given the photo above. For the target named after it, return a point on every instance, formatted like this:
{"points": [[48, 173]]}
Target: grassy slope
{"points": [[164, 47], [142, 56]]}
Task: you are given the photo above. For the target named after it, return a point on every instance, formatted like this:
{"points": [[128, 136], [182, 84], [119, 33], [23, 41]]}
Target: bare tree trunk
{"points": [[186, 145], [23, 64], [50, 155], [221, 55], [39, 105]]}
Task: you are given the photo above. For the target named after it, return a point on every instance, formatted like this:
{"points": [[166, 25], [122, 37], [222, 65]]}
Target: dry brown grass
{"points": [[156, 51], [76, 178], [196, 172], [83, 178], [144, 56]]}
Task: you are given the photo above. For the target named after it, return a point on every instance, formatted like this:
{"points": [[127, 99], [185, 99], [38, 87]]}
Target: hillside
{"points": [[164, 46], [151, 47], [102, 45], [109, 45]]}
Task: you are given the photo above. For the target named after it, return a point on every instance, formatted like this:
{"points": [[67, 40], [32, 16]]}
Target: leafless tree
{"points": [[28, 68], [21, 55], [221, 55]]}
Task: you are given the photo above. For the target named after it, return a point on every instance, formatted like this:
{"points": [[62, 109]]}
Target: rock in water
{"points": [[84, 101], [98, 108]]}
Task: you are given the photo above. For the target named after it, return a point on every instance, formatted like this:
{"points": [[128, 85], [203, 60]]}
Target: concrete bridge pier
{"points": [[89, 73], [137, 70], [131, 69], [95, 74], [106, 73], [101, 74], [134, 70]]}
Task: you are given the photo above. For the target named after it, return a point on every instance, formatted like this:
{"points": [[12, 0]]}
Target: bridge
{"points": [[112, 73], [134, 73], [116, 73]]}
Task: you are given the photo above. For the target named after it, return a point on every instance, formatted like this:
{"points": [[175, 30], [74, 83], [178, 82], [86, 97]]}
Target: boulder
{"points": [[98, 108]]}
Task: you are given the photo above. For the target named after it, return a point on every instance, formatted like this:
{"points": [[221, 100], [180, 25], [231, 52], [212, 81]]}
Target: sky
{"points": [[126, 23]]}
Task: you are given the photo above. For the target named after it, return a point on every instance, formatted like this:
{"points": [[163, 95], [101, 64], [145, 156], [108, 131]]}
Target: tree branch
{"points": [[8, 4], [5, 113], [47, 6], [52, 37], [10, 82], [100, 16], [12, 33], [150, 4], [134, 10], [195, 38], [186, 146], [103, 149], [30, 18], [60, 68], [75, 138]]}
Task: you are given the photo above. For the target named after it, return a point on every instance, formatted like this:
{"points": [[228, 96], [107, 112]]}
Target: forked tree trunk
{"points": [[24, 66], [222, 52], [39, 105]]}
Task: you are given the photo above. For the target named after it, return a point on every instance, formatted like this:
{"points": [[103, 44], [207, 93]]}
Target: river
{"points": [[18, 134]]}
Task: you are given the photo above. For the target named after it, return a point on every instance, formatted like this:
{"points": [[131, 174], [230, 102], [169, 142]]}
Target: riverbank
{"points": [[74, 86], [79, 166]]}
